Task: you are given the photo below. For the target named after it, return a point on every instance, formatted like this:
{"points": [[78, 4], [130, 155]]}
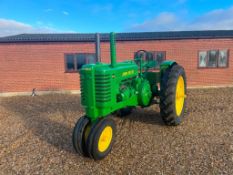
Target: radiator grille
{"points": [[82, 84], [103, 88]]}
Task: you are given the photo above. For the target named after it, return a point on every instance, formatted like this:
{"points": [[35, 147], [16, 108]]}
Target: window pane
{"points": [[91, 58], [212, 60], [223, 58], [159, 57], [81, 60], [70, 62], [202, 58], [149, 56], [141, 55]]}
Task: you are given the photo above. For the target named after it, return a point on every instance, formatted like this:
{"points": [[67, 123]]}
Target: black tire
{"points": [[168, 86], [78, 137], [124, 112], [94, 137]]}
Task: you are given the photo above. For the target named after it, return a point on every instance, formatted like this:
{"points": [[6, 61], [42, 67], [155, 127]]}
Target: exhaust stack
{"points": [[113, 49], [97, 47]]}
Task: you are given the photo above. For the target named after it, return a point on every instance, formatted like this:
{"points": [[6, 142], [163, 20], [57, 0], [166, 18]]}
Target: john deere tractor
{"points": [[117, 88]]}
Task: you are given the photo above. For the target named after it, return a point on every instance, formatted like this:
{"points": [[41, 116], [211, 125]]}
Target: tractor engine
{"points": [[105, 89]]}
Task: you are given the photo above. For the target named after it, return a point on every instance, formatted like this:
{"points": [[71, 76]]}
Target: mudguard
{"points": [[166, 64]]}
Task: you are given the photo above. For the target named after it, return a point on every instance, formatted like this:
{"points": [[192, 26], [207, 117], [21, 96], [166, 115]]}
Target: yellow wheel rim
{"points": [[105, 139], [180, 95]]}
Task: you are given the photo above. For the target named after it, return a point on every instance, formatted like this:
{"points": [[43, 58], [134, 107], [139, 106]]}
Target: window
{"points": [[74, 62], [202, 59], [70, 62], [223, 58], [80, 60], [213, 58], [158, 56]]}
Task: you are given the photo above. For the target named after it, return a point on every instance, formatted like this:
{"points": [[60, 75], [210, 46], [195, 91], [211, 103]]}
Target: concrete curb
{"points": [[11, 94], [210, 87]]}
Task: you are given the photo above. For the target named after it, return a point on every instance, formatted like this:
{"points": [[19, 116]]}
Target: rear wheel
{"points": [[173, 95]]}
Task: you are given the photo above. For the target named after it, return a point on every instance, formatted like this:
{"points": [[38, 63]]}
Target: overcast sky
{"points": [[85, 16]]}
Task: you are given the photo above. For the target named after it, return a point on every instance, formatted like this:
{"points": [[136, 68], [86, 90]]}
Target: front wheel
{"points": [[101, 138], [79, 136], [173, 95]]}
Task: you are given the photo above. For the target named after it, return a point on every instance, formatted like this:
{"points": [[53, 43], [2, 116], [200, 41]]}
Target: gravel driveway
{"points": [[35, 138]]}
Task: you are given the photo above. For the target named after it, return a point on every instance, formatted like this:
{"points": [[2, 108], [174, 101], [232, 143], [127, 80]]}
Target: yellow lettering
{"points": [[130, 72]]}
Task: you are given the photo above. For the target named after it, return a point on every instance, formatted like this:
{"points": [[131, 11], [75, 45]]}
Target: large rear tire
{"points": [[173, 95]]}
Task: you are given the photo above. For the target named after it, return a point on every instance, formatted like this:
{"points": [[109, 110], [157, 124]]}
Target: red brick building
{"points": [[50, 62]]}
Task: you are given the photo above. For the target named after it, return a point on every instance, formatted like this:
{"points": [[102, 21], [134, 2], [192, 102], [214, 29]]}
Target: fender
{"points": [[166, 64]]}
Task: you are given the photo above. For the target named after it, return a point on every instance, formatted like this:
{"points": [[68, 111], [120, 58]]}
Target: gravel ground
{"points": [[35, 138]]}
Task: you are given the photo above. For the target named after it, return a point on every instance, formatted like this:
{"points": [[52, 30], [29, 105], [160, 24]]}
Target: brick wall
{"points": [[41, 65]]}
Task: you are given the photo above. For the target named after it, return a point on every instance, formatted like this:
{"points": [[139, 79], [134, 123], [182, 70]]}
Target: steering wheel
{"points": [[140, 53], [144, 58], [147, 56]]}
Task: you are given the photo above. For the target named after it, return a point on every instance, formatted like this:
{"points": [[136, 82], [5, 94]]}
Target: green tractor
{"points": [[108, 89]]}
